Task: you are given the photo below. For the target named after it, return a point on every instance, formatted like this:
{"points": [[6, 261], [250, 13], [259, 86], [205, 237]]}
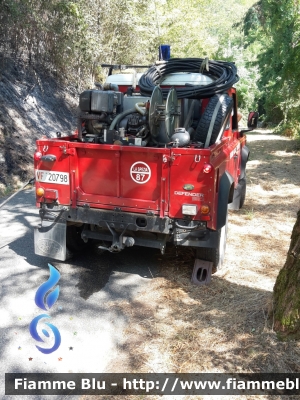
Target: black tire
{"points": [[215, 255], [220, 121], [73, 240]]}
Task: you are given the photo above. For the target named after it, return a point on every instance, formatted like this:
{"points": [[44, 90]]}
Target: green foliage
{"points": [[198, 28], [74, 37], [275, 27], [289, 129]]}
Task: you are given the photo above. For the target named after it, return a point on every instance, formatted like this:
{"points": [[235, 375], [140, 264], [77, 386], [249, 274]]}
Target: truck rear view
{"points": [[156, 160]]}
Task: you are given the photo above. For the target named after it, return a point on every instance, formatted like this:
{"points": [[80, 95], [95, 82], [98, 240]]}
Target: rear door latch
{"points": [[70, 152]]}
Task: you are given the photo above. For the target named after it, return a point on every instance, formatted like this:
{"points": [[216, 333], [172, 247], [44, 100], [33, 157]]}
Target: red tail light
{"points": [[37, 156]]}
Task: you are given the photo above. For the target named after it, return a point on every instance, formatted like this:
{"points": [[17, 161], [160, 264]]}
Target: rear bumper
{"points": [[103, 225]]}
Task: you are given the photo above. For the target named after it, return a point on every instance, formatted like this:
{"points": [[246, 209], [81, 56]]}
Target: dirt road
{"points": [[177, 327]]}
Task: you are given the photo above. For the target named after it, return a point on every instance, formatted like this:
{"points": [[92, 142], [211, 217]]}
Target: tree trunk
{"points": [[287, 291]]}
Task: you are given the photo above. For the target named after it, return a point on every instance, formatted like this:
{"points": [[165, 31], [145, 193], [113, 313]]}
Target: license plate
{"points": [[61, 178]]}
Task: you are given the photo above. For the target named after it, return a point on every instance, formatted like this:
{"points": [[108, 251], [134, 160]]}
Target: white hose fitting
{"points": [[139, 109]]}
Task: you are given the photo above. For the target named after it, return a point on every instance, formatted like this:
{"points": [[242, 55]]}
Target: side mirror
{"points": [[253, 120]]}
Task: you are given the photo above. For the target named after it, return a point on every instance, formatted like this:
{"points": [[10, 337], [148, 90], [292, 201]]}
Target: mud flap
{"points": [[50, 240], [226, 183], [239, 193], [202, 272]]}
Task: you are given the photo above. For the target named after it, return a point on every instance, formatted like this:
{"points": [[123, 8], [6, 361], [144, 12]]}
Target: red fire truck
{"points": [[156, 159]]}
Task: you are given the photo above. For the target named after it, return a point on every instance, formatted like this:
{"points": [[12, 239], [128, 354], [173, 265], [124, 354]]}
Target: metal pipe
{"points": [[189, 116], [111, 86], [79, 129], [138, 108]]}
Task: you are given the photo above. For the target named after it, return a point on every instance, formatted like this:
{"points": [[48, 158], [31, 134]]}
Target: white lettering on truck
{"points": [[188, 194]]}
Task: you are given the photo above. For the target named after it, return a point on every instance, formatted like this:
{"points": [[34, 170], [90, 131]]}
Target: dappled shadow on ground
{"points": [[93, 292], [272, 161], [87, 275], [94, 269], [93, 288]]}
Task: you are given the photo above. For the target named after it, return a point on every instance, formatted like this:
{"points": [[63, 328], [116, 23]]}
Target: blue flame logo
{"points": [[42, 299]]}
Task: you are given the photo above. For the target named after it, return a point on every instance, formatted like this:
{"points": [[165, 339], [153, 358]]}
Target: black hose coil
{"points": [[224, 74]]}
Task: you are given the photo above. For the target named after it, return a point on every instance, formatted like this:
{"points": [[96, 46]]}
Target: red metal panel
{"points": [[187, 169], [96, 166], [121, 176], [141, 173]]}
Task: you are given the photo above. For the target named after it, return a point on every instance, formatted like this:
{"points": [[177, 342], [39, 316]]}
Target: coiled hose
{"points": [[224, 74]]}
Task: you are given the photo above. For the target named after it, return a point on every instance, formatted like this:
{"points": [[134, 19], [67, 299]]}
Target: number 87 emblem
{"points": [[140, 172]]}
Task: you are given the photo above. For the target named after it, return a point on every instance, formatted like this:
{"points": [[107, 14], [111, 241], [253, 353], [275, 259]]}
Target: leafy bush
{"points": [[275, 27], [72, 38]]}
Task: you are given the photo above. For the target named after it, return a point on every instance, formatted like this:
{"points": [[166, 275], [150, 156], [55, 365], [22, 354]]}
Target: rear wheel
{"points": [[215, 255]]}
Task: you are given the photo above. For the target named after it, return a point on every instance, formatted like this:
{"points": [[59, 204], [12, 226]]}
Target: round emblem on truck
{"points": [[140, 172], [188, 186]]}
